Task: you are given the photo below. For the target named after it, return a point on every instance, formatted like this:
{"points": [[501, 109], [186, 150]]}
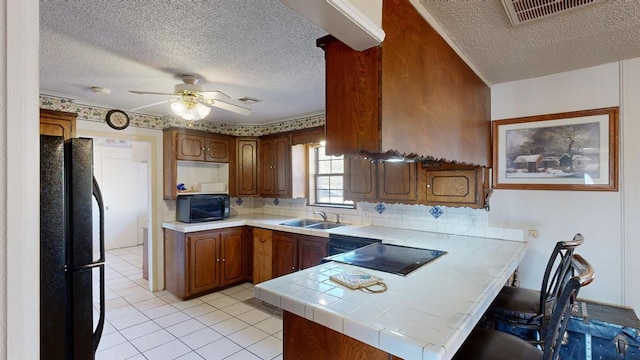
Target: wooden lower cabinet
{"points": [[232, 257], [306, 340], [293, 252], [201, 262], [311, 251], [262, 255], [202, 268], [285, 256]]}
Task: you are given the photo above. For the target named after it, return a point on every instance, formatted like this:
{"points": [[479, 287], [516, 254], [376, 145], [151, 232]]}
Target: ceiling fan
{"points": [[191, 102]]}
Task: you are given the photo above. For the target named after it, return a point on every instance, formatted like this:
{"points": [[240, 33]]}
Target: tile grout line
{"points": [[224, 293]]}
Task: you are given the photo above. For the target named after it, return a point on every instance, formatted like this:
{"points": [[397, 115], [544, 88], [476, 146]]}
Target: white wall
{"points": [[630, 184], [558, 215], [19, 180]]}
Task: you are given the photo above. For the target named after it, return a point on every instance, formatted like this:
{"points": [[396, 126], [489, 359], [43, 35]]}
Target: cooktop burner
{"points": [[395, 259]]}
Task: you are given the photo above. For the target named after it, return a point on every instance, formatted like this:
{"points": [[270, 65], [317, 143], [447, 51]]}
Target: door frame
{"points": [[154, 242]]}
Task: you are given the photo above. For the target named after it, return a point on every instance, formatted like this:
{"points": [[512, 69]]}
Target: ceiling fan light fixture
{"points": [[190, 110]]}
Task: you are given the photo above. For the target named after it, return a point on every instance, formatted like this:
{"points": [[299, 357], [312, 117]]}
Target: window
{"points": [[328, 179]]}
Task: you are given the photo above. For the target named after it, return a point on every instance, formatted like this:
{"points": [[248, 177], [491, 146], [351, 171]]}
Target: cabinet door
{"points": [[359, 179], [247, 173], [452, 187], [190, 147], [58, 123], [267, 187], [203, 254], [311, 250], [285, 255], [397, 182], [262, 255], [217, 149], [232, 255], [282, 167]]}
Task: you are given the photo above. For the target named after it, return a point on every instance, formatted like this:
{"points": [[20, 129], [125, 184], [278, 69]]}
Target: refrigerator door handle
{"points": [[100, 264]]}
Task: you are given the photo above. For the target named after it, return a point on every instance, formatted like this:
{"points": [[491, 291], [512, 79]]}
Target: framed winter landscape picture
{"points": [[566, 151]]}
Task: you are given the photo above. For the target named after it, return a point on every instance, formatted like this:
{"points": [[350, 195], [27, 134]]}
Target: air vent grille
{"points": [[521, 11]]}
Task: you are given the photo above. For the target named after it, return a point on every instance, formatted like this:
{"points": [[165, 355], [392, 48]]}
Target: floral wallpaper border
{"points": [[97, 114]]}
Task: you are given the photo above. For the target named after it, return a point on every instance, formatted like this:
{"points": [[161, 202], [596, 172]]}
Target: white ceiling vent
{"points": [[521, 11]]}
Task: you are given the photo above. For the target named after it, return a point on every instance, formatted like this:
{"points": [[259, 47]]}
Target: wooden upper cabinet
{"points": [[462, 186], [275, 167], [412, 94], [367, 180], [58, 123], [397, 182], [190, 147], [247, 167], [266, 164], [202, 148], [360, 179], [217, 149]]}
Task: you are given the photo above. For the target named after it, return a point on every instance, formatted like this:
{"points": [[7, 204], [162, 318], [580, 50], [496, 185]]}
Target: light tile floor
{"points": [[229, 324]]}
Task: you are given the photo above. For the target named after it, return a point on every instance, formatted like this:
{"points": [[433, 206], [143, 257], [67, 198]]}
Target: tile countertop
{"points": [[262, 221], [425, 315]]}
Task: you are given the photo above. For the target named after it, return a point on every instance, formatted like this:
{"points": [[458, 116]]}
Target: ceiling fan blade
{"points": [[150, 93], [214, 95], [146, 106], [230, 107]]}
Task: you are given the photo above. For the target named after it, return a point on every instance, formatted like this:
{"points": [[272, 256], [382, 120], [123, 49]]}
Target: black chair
{"points": [[526, 312], [489, 344]]}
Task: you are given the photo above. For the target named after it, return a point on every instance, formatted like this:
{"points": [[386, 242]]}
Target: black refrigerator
{"points": [[71, 265]]}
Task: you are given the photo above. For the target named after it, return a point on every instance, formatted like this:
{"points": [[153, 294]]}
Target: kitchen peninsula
{"points": [[425, 315]]}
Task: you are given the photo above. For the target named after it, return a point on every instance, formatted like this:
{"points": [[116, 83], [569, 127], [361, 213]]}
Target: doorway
{"points": [[121, 168]]}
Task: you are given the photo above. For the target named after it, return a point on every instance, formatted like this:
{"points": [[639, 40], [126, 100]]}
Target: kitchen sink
{"points": [[324, 226], [301, 223]]}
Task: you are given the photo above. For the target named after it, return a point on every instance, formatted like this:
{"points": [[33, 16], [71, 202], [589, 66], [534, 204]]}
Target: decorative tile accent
{"points": [[436, 211], [276, 201], [239, 201], [380, 208]]}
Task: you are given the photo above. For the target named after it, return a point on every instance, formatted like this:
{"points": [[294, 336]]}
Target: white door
{"points": [[118, 177]]}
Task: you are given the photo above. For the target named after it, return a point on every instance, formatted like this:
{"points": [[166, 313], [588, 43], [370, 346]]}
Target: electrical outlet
{"points": [[533, 234]]}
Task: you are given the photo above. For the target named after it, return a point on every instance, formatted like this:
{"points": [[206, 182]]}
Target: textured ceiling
{"points": [[603, 32], [262, 49], [257, 48]]}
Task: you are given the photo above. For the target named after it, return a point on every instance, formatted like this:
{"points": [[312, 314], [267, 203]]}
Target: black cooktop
{"points": [[395, 259]]}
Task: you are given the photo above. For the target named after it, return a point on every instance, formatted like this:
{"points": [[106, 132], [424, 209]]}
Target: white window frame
{"points": [[313, 180]]}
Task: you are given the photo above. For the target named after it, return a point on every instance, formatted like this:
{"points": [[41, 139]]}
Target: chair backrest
{"points": [[562, 308], [557, 273]]}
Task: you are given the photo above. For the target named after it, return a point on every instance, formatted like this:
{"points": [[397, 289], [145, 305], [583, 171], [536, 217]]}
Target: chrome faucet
{"points": [[323, 214], [337, 218]]}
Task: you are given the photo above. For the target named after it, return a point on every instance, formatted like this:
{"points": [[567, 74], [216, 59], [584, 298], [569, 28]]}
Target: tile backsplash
{"points": [[458, 221]]}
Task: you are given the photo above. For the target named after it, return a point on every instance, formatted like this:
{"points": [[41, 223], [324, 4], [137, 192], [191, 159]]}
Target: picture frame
{"points": [[575, 150]]}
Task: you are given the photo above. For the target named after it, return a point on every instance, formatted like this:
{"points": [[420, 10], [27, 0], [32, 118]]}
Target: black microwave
{"points": [[202, 207]]}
